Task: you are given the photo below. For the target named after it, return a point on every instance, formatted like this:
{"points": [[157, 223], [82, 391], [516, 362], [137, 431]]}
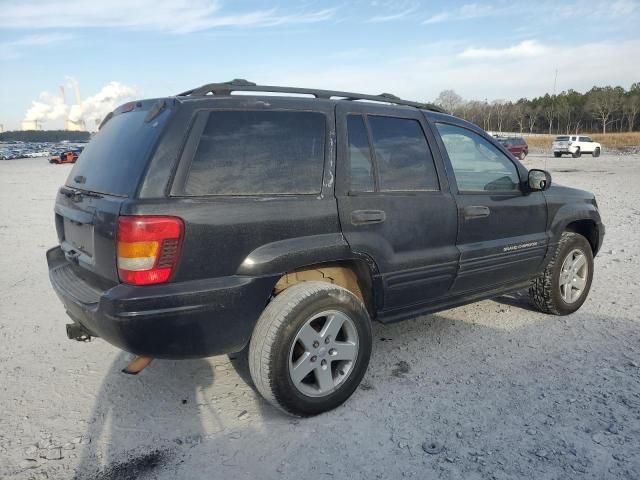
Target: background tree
{"points": [[500, 108], [533, 113], [631, 108], [601, 108], [602, 103], [449, 100], [519, 113], [549, 109]]}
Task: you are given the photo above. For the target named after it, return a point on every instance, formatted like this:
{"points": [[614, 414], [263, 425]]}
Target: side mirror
{"points": [[539, 180]]}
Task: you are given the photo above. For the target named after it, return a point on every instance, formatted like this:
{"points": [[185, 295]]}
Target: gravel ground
{"points": [[490, 390]]}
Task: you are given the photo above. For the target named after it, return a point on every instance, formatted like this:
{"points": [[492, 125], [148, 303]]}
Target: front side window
{"points": [[585, 139], [402, 155], [477, 164], [259, 153]]}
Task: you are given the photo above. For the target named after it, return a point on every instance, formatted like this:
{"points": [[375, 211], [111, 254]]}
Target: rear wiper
{"points": [[78, 194]]}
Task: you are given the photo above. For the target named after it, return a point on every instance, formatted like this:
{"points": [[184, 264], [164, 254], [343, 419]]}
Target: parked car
{"points": [[209, 223], [575, 145], [68, 156], [516, 145]]}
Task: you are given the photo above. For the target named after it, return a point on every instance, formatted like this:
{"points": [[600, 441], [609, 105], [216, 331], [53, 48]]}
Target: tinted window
{"points": [[359, 155], [562, 139], [402, 155], [477, 164], [585, 139], [259, 152], [114, 160]]}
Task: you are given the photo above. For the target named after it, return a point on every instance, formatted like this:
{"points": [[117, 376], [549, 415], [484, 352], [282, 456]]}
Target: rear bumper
{"points": [[177, 320], [564, 149]]}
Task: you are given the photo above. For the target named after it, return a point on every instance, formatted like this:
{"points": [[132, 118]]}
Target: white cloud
{"points": [[440, 17], [392, 17], [622, 8], [465, 12], [422, 74], [178, 16], [527, 48], [88, 113], [14, 48]]}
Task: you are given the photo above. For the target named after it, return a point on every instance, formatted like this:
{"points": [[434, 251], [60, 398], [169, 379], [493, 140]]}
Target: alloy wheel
{"points": [[323, 353], [573, 276]]}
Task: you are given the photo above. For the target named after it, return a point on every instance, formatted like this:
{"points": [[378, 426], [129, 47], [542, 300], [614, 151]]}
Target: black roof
{"points": [[239, 85]]}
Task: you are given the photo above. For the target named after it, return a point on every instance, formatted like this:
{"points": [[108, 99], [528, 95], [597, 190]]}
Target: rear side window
{"points": [[258, 153], [359, 155], [402, 155]]}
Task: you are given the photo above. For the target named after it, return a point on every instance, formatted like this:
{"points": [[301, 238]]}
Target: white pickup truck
{"points": [[576, 145]]}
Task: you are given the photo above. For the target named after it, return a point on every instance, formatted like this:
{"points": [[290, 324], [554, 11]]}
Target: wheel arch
{"points": [[325, 257], [589, 229], [353, 274]]}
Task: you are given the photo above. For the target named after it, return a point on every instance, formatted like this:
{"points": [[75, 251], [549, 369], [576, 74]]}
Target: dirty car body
{"points": [[413, 246]]}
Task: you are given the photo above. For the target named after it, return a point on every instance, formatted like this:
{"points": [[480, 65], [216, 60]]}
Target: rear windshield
{"points": [[562, 139], [115, 158], [258, 153]]}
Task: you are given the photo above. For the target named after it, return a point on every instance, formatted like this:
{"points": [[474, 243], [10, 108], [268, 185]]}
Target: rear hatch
{"points": [[106, 174], [561, 142]]}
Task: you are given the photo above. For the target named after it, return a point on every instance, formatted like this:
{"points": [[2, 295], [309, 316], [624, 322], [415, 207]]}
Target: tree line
{"points": [[601, 109], [44, 136]]}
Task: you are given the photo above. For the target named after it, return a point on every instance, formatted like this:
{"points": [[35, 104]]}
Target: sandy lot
{"points": [[491, 390]]}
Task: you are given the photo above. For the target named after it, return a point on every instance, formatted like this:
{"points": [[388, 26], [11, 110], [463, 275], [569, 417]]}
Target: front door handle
{"points": [[476, 211], [364, 217]]}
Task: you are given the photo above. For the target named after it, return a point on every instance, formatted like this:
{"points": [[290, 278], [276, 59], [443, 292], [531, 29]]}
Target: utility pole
{"points": [[553, 100]]}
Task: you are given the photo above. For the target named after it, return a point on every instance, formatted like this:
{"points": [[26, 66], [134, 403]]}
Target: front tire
{"points": [[557, 154], [565, 283], [596, 152], [310, 348], [522, 156]]}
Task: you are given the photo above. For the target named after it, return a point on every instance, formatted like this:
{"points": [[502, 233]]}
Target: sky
{"points": [[120, 49]]}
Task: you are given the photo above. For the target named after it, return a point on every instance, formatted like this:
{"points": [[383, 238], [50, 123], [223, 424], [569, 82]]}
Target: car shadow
{"points": [[139, 422], [518, 299], [180, 419]]}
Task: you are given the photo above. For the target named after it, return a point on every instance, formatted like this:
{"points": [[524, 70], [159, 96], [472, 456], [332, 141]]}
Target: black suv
{"points": [[281, 226]]}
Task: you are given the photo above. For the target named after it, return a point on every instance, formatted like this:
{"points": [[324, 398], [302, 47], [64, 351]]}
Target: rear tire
{"points": [[557, 154], [577, 153], [596, 152], [320, 327], [565, 283], [522, 156]]}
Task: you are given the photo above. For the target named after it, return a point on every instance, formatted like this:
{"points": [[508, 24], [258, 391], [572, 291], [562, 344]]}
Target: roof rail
{"points": [[239, 85]]}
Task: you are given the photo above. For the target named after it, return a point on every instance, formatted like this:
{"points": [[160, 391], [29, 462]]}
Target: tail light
{"points": [[148, 248]]}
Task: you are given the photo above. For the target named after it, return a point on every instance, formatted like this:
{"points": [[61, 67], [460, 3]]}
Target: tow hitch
{"points": [[77, 332]]}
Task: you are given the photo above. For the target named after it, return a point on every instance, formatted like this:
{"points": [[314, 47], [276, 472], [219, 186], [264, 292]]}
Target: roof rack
{"points": [[239, 85]]}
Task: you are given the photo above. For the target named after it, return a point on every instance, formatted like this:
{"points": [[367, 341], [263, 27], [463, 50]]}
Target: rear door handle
{"points": [[364, 217], [476, 211]]}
